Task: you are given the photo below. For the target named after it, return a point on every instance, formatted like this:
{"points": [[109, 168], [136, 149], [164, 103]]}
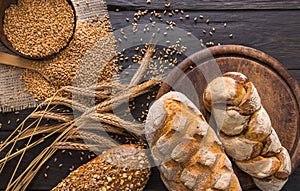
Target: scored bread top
{"points": [[185, 148]]}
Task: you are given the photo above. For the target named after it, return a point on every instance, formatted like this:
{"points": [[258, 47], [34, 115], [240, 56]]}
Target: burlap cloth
{"points": [[12, 94]]}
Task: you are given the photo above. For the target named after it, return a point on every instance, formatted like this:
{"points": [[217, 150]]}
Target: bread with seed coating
{"points": [[126, 167]]}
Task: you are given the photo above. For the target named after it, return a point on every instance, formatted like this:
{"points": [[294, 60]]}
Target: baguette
{"points": [[246, 130], [126, 167], [187, 151]]}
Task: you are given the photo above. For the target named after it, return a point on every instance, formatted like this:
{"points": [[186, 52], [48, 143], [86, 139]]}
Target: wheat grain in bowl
{"points": [[39, 28]]}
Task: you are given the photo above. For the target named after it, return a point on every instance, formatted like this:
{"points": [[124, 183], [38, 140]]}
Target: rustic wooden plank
{"points": [[293, 182], [54, 174], [295, 74], [204, 4], [10, 120], [3, 136], [276, 34]]}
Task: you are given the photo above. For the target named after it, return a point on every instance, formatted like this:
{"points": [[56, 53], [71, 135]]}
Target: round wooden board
{"points": [[279, 91]]}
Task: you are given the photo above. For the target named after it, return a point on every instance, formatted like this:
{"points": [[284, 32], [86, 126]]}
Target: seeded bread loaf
{"points": [[125, 167], [246, 131], [188, 154]]}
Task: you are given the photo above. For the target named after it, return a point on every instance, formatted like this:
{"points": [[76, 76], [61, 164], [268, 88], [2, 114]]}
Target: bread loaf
{"points": [[185, 148], [125, 167], [246, 130]]}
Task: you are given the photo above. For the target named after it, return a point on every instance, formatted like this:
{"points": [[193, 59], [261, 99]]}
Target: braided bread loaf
{"points": [[246, 131], [185, 147]]}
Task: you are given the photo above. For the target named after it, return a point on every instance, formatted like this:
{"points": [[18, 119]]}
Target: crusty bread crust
{"points": [[185, 148], [246, 131]]}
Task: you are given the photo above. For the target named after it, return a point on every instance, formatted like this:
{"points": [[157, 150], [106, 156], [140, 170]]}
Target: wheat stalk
{"points": [[28, 174], [51, 115], [143, 67], [68, 128], [24, 179], [101, 127], [15, 139], [41, 130], [104, 94], [66, 102], [118, 122], [99, 139], [15, 154], [104, 85], [124, 96]]}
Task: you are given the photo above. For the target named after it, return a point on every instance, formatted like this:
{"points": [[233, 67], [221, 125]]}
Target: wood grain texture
{"points": [[269, 31], [265, 73], [11, 120], [205, 5], [296, 74]]}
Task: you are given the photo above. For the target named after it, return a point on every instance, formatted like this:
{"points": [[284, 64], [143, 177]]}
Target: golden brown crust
{"points": [[186, 149], [240, 148], [239, 77], [285, 168], [259, 126], [277, 181], [260, 167], [251, 101], [272, 145], [247, 134], [215, 93], [230, 121], [270, 183]]}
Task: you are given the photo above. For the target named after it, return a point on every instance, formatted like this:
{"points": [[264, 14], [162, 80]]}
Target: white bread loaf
{"points": [[126, 167], [246, 131], [185, 148]]}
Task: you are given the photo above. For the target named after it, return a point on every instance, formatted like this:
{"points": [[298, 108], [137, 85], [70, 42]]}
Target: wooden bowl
{"points": [[4, 4], [279, 91]]}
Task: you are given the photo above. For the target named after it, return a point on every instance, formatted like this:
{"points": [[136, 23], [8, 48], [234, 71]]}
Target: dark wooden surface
{"points": [[213, 5], [270, 26]]}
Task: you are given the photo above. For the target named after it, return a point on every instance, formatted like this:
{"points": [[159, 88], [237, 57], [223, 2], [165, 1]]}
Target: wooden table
{"points": [[271, 26]]}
